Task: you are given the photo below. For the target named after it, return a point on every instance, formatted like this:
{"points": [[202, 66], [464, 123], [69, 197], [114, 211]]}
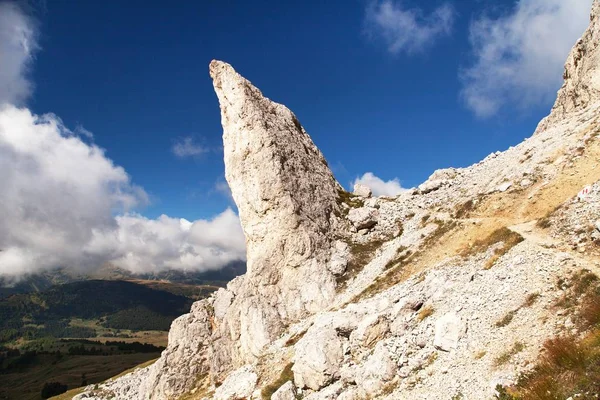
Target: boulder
{"points": [[363, 218], [362, 190], [376, 371], [239, 385], [317, 359], [449, 329], [287, 391]]}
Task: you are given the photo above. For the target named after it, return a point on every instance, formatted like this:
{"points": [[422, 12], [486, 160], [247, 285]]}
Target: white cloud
{"points": [[63, 203], [186, 147], [519, 57], [18, 43], [380, 187], [141, 244], [408, 30]]}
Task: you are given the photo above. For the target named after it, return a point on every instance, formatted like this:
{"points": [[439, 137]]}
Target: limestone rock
{"points": [[317, 359], [432, 185], [370, 331], [363, 218], [581, 85], [287, 391], [377, 370], [287, 200], [239, 385], [449, 329], [362, 190]]}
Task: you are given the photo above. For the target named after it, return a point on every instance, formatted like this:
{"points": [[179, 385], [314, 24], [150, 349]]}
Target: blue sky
{"points": [[395, 88]]}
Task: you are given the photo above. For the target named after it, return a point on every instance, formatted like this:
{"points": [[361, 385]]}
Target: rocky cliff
{"points": [[449, 290]]}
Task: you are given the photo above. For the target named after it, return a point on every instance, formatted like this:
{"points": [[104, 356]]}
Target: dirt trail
{"points": [[512, 209]]}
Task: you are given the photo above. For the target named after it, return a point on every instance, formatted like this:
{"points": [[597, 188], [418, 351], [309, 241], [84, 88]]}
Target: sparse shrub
{"points": [[564, 353], [590, 311], [480, 354], [351, 200], [569, 365]]}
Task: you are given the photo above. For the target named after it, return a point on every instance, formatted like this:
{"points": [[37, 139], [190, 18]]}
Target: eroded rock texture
{"points": [[581, 86], [287, 199]]}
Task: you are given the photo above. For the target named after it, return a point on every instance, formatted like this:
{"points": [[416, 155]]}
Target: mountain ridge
{"points": [[449, 290]]}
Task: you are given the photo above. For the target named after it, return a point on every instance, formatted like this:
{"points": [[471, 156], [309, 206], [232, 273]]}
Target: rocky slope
{"points": [[443, 292]]}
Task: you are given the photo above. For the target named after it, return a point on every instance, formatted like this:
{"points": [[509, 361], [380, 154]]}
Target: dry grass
{"points": [[350, 199], [506, 356], [286, 375], [531, 299], [464, 210], [480, 354], [508, 238], [568, 364], [294, 339], [501, 235], [360, 255], [395, 273], [506, 319], [425, 312]]}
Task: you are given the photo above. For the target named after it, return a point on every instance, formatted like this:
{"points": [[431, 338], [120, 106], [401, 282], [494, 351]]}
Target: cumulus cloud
{"points": [[18, 44], [187, 147], [141, 244], [519, 57], [408, 30], [63, 203], [378, 186]]}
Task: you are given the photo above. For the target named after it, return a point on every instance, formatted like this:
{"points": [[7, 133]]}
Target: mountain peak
{"points": [[581, 85]]}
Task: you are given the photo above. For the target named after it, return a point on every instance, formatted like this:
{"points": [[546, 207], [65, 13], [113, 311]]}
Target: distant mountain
{"points": [[105, 304], [42, 281]]}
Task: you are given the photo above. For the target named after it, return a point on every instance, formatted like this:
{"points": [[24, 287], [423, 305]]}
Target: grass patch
{"points": [[464, 210], [502, 235], [360, 255], [400, 257], [506, 319], [425, 312], [286, 375], [569, 364], [506, 356], [393, 275], [350, 199], [294, 339], [530, 299]]}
